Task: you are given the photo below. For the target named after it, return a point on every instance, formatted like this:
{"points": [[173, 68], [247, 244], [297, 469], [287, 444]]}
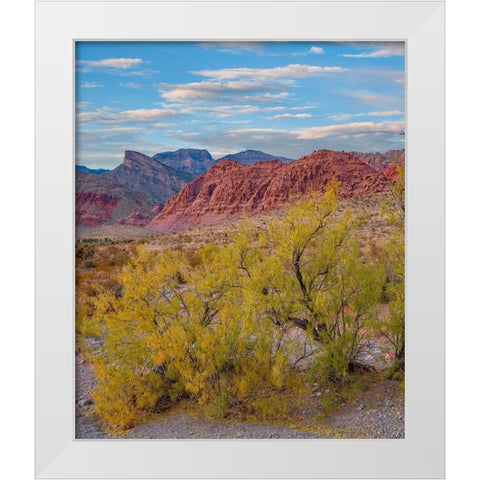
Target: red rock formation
{"points": [[157, 208], [229, 188], [93, 209], [379, 161], [141, 173], [101, 201], [141, 216], [391, 172], [249, 157], [188, 160]]}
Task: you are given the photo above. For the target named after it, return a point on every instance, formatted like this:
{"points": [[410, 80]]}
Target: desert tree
{"points": [[309, 272], [392, 327]]}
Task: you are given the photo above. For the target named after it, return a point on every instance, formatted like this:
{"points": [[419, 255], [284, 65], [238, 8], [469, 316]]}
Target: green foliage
{"points": [[392, 326], [234, 326], [331, 401], [168, 338], [312, 275]]}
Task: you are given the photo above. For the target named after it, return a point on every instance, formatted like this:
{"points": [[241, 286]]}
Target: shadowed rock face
{"points": [[380, 161], [96, 171], [188, 160], [249, 157], [141, 173], [141, 216], [230, 189], [94, 209], [391, 172], [101, 201], [197, 162]]}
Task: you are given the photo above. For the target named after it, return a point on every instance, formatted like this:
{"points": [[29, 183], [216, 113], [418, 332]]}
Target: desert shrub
{"points": [[392, 327], [178, 331], [221, 326], [312, 275], [85, 325], [90, 240]]}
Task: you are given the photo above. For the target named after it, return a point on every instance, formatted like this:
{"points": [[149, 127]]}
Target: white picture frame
{"points": [[58, 25]]}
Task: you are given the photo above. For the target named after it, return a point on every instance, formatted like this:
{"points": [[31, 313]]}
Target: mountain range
{"points": [[102, 201], [195, 162], [230, 189], [96, 171], [379, 161], [188, 160], [144, 174], [145, 191], [249, 157]]}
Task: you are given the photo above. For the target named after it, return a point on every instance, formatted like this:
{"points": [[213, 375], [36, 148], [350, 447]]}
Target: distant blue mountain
{"points": [[96, 171], [249, 157], [188, 160], [142, 173]]}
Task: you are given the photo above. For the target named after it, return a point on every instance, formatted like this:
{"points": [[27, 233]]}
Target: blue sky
{"points": [[286, 99]]}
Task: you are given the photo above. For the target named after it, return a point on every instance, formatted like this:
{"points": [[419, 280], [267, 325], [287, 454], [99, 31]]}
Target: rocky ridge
{"points": [[141, 216], [188, 160], [249, 157], [230, 189], [144, 174], [102, 201], [380, 161], [391, 172]]}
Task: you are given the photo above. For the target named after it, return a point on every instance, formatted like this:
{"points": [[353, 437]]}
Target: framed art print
{"points": [[239, 239]]}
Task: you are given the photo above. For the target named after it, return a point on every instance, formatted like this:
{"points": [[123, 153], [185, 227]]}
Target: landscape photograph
{"points": [[239, 240]]}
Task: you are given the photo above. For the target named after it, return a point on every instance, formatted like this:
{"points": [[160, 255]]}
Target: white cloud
{"points": [[264, 85], [303, 107], [223, 110], [110, 116], [133, 85], [310, 133], [100, 147], [287, 72], [313, 50], [268, 98], [147, 115], [104, 147], [165, 125], [258, 48], [290, 115], [119, 130], [349, 129], [120, 63], [81, 105], [340, 117], [361, 136], [220, 110], [373, 98], [387, 51], [387, 113], [211, 91], [235, 48], [316, 50], [91, 85], [90, 136], [327, 130]]}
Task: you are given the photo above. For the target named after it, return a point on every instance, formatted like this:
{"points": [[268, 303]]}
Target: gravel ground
{"points": [[184, 426], [376, 413], [174, 426], [86, 425]]}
